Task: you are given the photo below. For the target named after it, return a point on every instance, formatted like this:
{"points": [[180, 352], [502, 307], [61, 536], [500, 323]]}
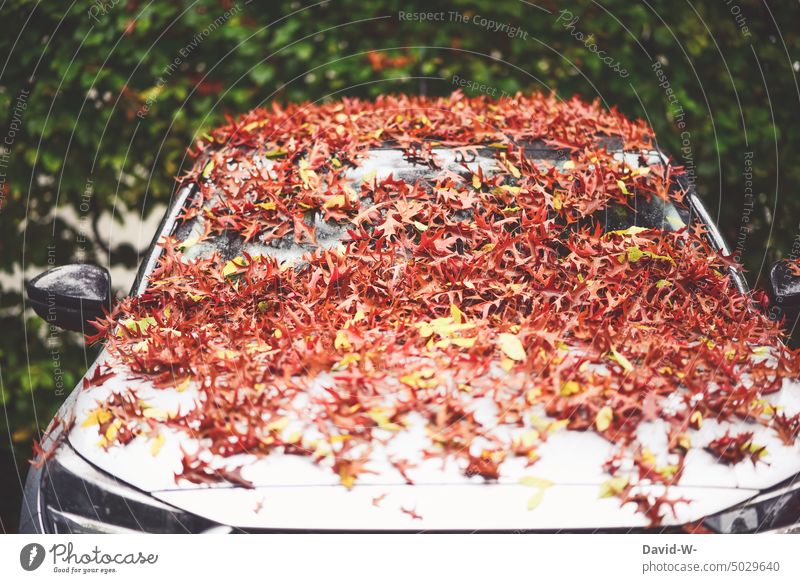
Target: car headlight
{"points": [[76, 497], [777, 510]]}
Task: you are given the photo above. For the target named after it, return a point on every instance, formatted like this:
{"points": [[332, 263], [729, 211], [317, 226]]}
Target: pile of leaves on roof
{"points": [[464, 288]]}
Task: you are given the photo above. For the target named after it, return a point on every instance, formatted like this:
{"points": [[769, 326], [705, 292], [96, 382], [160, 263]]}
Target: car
{"points": [[445, 314]]}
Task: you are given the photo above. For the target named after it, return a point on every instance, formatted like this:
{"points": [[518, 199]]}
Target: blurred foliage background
{"points": [[103, 98]]}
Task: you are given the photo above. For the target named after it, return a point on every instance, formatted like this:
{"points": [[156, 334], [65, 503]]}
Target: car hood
{"points": [[564, 489], [293, 492]]}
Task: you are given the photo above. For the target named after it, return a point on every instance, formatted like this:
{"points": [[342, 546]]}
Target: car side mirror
{"points": [[71, 296], [784, 292]]}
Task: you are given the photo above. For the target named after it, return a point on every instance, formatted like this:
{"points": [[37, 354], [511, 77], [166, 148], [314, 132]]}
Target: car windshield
{"points": [[647, 212]]}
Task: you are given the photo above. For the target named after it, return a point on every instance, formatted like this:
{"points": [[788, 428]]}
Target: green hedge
{"points": [[103, 100]]}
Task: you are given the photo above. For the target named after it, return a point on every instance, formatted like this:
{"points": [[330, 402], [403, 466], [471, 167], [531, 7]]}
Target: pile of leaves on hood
{"points": [[468, 287]]}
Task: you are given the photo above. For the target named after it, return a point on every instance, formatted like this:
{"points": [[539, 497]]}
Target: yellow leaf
{"points": [[535, 482], [570, 388], [476, 181], [457, 315], [155, 413], [634, 230], [621, 360], [513, 169], [622, 187], [267, 206], [335, 201], [527, 439], [348, 480], [96, 417], [668, 472], [139, 326], [189, 243], [634, 254], [420, 379], [603, 419], [233, 266], [321, 449], [278, 425], [540, 484], [347, 360], [557, 202], [536, 499], [759, 450], [226, 353], [420, 226], [464, 342], [510, 189], [111, 433], [142, 346], [208, 169], [613, 487], [442, 327], [532, 395], [156, 445], [569, 165], [511, 346], [381, 419], [342, 342], [305, 172], [370, 176]]}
